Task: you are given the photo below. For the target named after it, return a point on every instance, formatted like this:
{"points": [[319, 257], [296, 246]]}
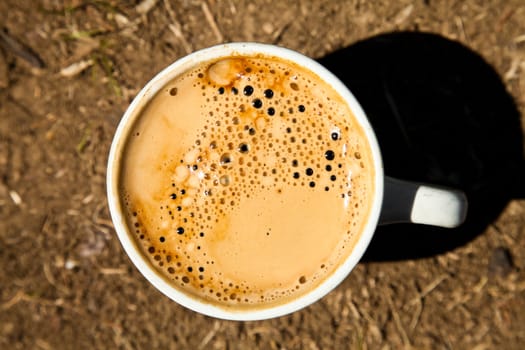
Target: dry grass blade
{"points": [[22, 296], [119, 338], [18, 297], [428, 289], [178, 34], [176, 28], [417, 315], [278, 34], [461, 28], [112, 271], [512, 72], [49, 275], [403, 15], [210, 335], [211, 21], [104, 222], [262, 330], [519, 39], [42, 344]]}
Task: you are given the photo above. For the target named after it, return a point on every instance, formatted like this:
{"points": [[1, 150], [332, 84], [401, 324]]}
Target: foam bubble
{"points": [[225, 72], [224, 180], [226, 159]]}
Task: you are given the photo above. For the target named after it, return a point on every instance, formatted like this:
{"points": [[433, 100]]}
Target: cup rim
{"points": [[126, 236]]}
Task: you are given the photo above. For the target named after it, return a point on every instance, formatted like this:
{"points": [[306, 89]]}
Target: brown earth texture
{"points": [[443, 83]]}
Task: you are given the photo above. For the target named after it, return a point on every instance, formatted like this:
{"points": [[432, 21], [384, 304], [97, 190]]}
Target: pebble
{"points": [[500, 263]]}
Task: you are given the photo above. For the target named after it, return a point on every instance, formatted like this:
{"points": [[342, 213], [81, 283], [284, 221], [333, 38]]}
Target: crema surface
{"points": [[247, 181]]}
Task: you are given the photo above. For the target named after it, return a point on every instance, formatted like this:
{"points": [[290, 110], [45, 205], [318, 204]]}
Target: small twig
{"points": [[22, 296], [458, 301], [210, 335], [358, 313], [178, 34], [397, 321], [108, 67], [97, 213], [18, 297], [211, 21], [18, 49], [42, 344], [505, 15], [278, 34], [417, 315], [112, 271], [519, 39], [233, 9], [84, 141], [461, 27], [176, 28], [49, 275], [262, 330], [119, 338], [105, 222], [170, 12], [355, 311], [403, 15], [480, 285], [511, 73], [76, 68], [429, 288], [87, 199]]}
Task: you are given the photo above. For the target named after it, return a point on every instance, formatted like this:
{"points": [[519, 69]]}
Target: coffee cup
{"points": [[245, 182]]}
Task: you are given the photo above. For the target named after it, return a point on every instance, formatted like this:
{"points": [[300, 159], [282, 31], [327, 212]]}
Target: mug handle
{"points": [[417, 203]]}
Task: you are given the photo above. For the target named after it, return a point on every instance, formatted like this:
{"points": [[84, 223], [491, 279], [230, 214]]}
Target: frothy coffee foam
{"points": [[247, 181]]}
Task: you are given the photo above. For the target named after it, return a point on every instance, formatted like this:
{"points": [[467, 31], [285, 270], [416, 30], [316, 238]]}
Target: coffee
{"points": [[247, 181]]}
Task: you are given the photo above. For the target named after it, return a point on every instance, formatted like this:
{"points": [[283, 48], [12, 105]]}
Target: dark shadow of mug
{"points": [[442, 116]]}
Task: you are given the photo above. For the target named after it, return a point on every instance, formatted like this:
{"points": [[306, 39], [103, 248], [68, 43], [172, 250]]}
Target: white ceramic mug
{"points": [[393, 200]]}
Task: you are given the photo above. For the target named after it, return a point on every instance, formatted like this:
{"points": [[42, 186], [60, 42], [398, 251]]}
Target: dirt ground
{"points": [[68, 70]]}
